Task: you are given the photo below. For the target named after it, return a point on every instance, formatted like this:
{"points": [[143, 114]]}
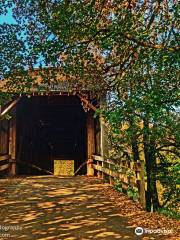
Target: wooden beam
{"points": [[90, 142], [4, 167], [4, 157], [104, 138], [9, 107], [105, 170], [90, 105], [35, 167], [98, 158], [12, 143]]}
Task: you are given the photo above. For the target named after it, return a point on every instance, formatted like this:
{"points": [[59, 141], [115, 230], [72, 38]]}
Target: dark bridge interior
{"points": [[49, 128]]}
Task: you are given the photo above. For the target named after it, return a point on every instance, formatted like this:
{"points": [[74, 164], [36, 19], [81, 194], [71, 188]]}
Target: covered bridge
{"points": [[50, 131]]}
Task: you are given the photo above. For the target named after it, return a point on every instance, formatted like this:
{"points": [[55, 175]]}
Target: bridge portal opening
{"points": [[50, 128]]}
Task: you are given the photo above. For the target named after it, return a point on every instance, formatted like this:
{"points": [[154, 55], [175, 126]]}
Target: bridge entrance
{"points": [[51, 130]]}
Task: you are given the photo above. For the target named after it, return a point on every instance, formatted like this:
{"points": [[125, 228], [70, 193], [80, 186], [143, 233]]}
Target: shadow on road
{"points": [[55, 208]]}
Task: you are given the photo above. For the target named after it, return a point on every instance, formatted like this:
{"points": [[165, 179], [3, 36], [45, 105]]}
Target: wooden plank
{"points": [[112, 173], [104, 141], [9, 107], [4, 157], [105, 170], [33, 166], [134, 181], [99, 172], [111, 180], [110, 162], [4, 167], [99, 168], [12, 143], [83, 99], [13, 154], [4, 137], [90, 142], [98, 158], [10, 137]]}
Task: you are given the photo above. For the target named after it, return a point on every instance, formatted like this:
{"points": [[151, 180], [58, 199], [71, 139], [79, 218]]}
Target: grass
{"points": [[169, 213]]}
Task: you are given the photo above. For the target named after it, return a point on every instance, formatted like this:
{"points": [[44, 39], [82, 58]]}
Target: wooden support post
{"points": [[90, 142], [111, 180], [98, 172], [12, 144], [104, 144]]}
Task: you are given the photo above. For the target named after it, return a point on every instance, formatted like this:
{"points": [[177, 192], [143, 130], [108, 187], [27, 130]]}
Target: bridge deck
{"points": [[51, 208]]}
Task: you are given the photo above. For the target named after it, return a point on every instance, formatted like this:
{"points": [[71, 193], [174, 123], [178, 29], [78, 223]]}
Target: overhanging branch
{"points": [[150, 45]]}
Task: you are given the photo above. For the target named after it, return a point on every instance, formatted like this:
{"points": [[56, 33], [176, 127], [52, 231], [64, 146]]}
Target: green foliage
{"points": [[170, 180], [88, 40], [132, 192], [7, 116], [106, 178], [117, 185], [4, 97], [169, 213]]}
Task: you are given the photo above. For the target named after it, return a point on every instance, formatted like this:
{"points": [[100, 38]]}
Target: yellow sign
{"points": [[63, 167]]}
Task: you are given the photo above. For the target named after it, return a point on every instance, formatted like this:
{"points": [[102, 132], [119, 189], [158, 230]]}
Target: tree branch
{"points": [[150, 45]]}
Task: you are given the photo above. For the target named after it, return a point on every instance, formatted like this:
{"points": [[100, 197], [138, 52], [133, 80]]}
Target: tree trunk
{"points": [[152, 157], [134, 142], [135, 150], [148, 164], [152, 201], [148, 172]]}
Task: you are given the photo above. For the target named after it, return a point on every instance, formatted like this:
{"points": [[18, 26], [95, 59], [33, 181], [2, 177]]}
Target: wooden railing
{"points": [[129, 174], [4, 162]]}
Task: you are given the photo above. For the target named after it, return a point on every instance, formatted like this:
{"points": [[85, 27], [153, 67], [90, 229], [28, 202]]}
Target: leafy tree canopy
{"points": [[102, 44]]}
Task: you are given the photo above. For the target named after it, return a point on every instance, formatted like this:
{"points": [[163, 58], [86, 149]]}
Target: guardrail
{"points": [[4, 162], [129, 174]]}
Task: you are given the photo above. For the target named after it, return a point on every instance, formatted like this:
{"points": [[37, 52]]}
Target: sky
{"points": [[7, 18]]}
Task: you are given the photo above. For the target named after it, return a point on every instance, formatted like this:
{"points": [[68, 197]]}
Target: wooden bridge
{"points": [[40, 132], [37, 135], [43, 132]]}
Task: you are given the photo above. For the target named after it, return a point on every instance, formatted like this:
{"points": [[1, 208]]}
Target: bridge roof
{"points": [[44, 80]]}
